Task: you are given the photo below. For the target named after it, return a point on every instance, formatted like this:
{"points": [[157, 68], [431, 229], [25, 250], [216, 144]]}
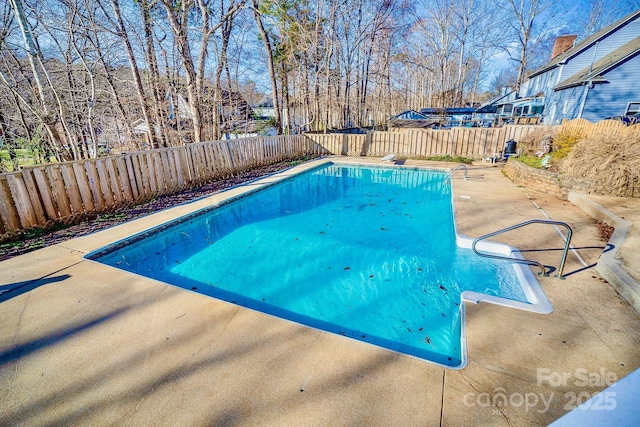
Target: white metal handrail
{"points": [[567, 241], [457, 168]]}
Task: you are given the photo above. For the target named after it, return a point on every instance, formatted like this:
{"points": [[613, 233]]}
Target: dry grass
{"points": [[532, 143], [613, 160], [609, 156]]}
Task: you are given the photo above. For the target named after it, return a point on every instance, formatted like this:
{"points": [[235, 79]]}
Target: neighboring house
{"points": [[264, 111], [437, 118], [597, 78], [249, 128], [454, 114], [501, 106], [412, 119], [410, 115]]}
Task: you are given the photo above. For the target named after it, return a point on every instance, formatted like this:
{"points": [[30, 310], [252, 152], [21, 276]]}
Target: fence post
{"points": [[367, 143]]}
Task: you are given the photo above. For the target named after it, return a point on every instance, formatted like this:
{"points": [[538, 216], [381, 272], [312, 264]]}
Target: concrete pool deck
{"points": [[85, 344]]}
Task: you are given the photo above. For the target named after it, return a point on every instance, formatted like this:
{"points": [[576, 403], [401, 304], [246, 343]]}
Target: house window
{"points": [[633, 108], [565, 108]]}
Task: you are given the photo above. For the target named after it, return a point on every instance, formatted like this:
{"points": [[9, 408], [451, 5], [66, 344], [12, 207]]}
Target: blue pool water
{"points": [[365, 252]]}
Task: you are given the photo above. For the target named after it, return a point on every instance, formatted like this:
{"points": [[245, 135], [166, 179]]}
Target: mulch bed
{"points": [[31, 240], [605, 231]]}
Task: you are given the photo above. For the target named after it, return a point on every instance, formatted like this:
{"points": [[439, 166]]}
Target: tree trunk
{"points": [[272, 72], [154, 74], [34, 54], [134, 71], [218, 102]]}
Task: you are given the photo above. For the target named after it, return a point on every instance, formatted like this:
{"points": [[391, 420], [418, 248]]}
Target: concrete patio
{"points": [[85, 344]]}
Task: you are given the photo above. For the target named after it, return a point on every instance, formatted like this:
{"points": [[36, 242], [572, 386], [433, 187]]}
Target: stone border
{"points": [[560, 185], [609, 264]]}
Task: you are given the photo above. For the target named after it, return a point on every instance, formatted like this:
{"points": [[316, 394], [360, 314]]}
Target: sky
{"points": [[568, 17]]}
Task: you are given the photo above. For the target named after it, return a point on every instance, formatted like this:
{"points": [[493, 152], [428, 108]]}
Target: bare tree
{"points": [[597, 15], [269, 54], [94, 37], [39, 73], [178, 18], [530, 20], [160, 119], [121, 32], [441, 29], [181, 65]]}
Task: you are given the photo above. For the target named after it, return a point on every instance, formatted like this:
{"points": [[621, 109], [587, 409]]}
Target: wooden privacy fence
{"points": [[474, 143], [61, 192], [611, 127], [41, 195]]}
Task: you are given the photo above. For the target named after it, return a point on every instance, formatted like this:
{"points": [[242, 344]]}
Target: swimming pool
{"points": [[370, 253]]}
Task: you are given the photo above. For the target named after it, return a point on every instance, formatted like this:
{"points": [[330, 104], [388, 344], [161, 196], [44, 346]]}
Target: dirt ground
{"points": [[38, 238]]}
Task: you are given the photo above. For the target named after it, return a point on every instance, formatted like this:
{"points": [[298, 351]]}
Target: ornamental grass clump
{"points": [[613, 159]]}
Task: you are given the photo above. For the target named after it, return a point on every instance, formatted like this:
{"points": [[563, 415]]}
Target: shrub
{"points": [[564, 142], [449, 158], [531, 161]]}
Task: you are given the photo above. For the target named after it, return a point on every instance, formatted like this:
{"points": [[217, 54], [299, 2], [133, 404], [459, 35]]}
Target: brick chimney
{"points": [[562, 43]]}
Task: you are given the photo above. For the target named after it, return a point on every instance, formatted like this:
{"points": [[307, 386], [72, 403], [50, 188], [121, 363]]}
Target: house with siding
{"points": [[594, 79]]}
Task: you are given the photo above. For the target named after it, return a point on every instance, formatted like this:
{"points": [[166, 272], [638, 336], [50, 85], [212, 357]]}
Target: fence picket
{"points": [[178, 166], [32, 190], [59, 192], [94, 184], [83, 187], [133, 182], [124, 180], [71, 188], [159, 170], [142, 175], [151, 172], [169, 173], [44, 189], [114, 180], [8, 212], [103, 181], [212, 161], [22, 201]]}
